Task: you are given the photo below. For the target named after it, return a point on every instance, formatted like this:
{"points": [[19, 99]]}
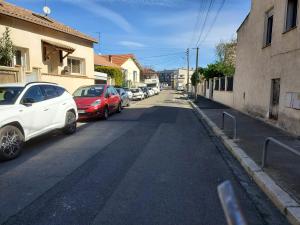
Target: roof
{"points": [[100, 60], [121, 59], [118, 59], [45, 21], [148, 71]]}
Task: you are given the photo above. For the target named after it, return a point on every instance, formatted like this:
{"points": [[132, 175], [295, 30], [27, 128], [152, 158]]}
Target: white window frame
{"points": [[82, 65], [24, 58]]}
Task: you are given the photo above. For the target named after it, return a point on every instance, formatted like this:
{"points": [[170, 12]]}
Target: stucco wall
{"points": [[224, 97], [258, 65], [130, 66], [30, 36]]}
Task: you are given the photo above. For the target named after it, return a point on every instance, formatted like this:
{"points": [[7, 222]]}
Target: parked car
{"points": [[97, 101], [125, 101], [129, 93], [151, 92], [156, 91], [30, 110], [145, 91], [180, 87], [137, 94]]}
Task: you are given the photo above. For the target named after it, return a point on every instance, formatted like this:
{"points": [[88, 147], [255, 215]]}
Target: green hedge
{"points": [[112, 72]]}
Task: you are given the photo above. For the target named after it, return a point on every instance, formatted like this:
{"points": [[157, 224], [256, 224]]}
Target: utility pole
{"points": [[188, 69], [197, 53]]}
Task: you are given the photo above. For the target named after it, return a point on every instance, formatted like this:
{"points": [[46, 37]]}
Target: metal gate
{"points": [[275, 95]]}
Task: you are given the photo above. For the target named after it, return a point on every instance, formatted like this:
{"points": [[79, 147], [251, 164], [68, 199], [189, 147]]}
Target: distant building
{"points": [[176, 76], [150, 77], [46, 50]]}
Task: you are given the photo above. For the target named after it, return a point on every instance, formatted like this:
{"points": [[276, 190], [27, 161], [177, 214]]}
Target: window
{"points": [[49, 91], [21, 58], [18, 58], [8, 95], [35, 94], [60, 91], [268, 28], [134, 76], [76, 65], [291, 15]]}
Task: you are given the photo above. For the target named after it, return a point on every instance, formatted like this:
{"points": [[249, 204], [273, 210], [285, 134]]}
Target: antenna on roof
{"points": [[46, 9]]}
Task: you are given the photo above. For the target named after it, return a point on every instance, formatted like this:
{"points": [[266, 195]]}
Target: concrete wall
{"points": [[29, 36], [257, 65], [224, 97]]}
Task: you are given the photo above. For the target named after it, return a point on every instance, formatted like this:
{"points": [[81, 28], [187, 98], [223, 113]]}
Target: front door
{"points": [[275, 95]]}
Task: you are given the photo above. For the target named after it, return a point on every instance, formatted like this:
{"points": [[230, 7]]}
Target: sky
{"points": [[158, 32]]}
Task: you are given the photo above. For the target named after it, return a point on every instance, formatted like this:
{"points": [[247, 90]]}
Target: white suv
{"points": [[29, 110]]}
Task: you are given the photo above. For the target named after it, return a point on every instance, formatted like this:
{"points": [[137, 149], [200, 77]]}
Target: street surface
{"points": [[155, 163]]}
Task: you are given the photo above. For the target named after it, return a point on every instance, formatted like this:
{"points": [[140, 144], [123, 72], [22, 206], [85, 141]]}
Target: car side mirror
{"points": [[28, 101]]}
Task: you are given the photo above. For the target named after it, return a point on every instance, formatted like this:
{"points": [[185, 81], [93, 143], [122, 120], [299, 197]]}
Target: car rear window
{"points": [[90, 91]]}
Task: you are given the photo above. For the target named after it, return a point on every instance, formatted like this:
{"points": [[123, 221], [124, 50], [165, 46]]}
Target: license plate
{"points": [[81, 111]]}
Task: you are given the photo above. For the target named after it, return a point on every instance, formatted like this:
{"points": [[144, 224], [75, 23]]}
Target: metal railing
{"points": [[234, 123], [265, 150], [230, 205]]}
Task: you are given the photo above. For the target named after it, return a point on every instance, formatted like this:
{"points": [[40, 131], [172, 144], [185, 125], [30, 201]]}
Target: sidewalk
{"points": [[283, 166]]}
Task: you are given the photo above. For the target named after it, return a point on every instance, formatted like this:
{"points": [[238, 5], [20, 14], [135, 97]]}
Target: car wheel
{"points": [[71, 123], [119, 108], [11, 142], [106, 113]]}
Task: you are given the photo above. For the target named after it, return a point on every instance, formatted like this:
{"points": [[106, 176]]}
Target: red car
{"points": [[97, 101]]}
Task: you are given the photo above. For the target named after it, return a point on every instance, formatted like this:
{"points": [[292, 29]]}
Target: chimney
{"points": [[110, 58]]}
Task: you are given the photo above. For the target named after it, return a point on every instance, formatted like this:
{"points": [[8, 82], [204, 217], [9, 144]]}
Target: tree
{"points": [[218, 69], [226, 52], [195, 79], [6, 49], [112, 72]]}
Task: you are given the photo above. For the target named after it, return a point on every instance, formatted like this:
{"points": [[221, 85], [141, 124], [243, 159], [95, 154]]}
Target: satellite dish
{"points": [[46, 10]]}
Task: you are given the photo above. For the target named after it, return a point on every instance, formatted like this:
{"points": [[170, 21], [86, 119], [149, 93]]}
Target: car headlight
{"points": [[97, 102]]}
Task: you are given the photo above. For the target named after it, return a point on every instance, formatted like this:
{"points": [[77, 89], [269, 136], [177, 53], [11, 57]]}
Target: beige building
{"points": [[46, 50], [130, 67], [267, 81], [181, 76]]}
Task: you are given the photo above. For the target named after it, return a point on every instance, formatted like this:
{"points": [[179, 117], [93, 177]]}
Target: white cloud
{"points": [[131, 44], [98, 10]]}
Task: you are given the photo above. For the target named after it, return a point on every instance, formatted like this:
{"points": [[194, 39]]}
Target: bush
{"points": [[112, 72], [6, 49]]}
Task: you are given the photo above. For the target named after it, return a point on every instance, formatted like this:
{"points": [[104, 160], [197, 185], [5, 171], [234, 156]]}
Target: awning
{"points": [[59, 46]]}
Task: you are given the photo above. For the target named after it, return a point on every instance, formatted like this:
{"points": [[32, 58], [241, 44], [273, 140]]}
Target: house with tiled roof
{"points": [[46, 50], [130, 68]]}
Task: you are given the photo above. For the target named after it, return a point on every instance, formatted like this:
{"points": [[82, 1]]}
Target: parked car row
{"points": [[143, 92], [32, 109]]}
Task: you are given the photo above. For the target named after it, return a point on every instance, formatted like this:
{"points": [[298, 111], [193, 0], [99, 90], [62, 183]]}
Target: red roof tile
{"points": [[100, 60], [45, 21]]}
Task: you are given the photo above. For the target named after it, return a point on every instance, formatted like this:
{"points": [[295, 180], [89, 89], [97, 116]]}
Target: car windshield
{"points": [[118, 90], [91, 91], [8, 95], [135, 90]]}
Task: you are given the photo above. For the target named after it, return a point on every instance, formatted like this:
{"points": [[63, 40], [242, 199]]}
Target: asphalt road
{"points": [[155, 163]]}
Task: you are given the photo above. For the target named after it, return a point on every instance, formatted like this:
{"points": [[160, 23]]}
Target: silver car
{"points": [[125, 101]]}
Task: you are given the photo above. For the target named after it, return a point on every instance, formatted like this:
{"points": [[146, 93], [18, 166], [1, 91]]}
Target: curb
{"points": [[281, 199]]}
